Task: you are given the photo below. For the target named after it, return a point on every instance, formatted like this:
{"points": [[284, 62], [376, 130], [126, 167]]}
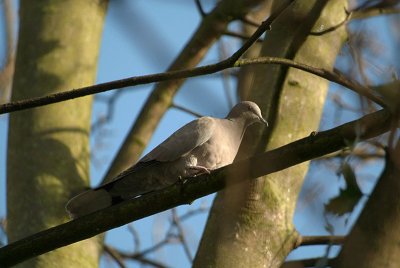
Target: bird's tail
{"points": [[88, 202]]}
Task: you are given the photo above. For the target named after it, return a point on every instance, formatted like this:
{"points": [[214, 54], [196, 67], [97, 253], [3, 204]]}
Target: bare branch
{"points": [[181, 234], [115, 256], [249, 21], [313, 146], [136, 240], [241, 36], [334, 76], [186, 110], [118, 256], [200, 8], [334, 27], [320, 240]]}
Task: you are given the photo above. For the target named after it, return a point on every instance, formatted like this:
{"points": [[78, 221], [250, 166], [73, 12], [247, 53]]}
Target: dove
{"points": [[198, 147]]}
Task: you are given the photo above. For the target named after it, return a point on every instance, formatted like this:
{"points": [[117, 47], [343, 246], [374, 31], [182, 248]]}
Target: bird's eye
{"points": [[248, 108]]}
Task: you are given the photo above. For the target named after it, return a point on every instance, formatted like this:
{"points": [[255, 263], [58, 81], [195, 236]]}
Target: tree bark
{"points": [[48, 147], [250, 225]]}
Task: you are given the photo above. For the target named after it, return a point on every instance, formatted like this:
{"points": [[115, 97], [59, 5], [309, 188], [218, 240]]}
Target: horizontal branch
{"points": [[320, 240], [198, 71], [333, 76], [313, 146], [373, 12], [305, 263]]}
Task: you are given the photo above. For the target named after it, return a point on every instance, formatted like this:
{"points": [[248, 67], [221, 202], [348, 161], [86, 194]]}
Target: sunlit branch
{"points": [[333, 76]]}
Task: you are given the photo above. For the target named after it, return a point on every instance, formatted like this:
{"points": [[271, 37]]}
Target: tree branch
{"points": [[305, 263], [319, 240], [146, 79], [315, 145], [333, 76], [119, 256], [374, 11]]}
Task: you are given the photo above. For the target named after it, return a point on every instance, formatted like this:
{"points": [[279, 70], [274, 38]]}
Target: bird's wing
{"points": [[180, 143], [183, 141]]}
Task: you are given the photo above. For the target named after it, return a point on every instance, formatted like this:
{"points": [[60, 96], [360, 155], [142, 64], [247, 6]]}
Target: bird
{"points": [[198, 147]]}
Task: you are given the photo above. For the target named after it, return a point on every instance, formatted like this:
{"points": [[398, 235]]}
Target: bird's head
{"points": [[249, 111]]}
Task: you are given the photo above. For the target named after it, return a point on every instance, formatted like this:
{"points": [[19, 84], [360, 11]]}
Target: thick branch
{"points": [[315, 145]]}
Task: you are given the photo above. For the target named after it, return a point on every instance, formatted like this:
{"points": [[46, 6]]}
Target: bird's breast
{"points": [[214, 154]]}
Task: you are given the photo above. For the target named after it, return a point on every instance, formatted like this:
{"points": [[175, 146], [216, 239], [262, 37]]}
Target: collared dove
{"points": [[202, 145]]}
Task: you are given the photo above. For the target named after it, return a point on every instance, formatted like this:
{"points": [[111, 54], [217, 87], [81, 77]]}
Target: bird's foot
{"points": [[199, 170], [181, 180]]}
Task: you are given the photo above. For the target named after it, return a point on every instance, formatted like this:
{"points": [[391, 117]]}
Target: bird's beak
{"points": [[262, 120]]}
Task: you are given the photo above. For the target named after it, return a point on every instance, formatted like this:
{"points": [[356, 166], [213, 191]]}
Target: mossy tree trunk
{"points": [[48, 147], [250, 225]]}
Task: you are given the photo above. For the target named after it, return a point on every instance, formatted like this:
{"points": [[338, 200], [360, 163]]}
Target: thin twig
{"points": [[200, 8], [181, 234], [136, 257], [241, 36], [153, 248], [136, 239], [115, 256], [333, 28], [186, 110], [249, 21], [193, 212], [110, 102]]}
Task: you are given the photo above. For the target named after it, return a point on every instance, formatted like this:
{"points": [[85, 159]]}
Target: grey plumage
{"points": [[200, 146]]}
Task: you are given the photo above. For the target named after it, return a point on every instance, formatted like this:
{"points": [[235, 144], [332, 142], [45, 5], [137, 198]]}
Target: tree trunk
{"points": [[48, 147], [374, 239], [250, 225]]}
